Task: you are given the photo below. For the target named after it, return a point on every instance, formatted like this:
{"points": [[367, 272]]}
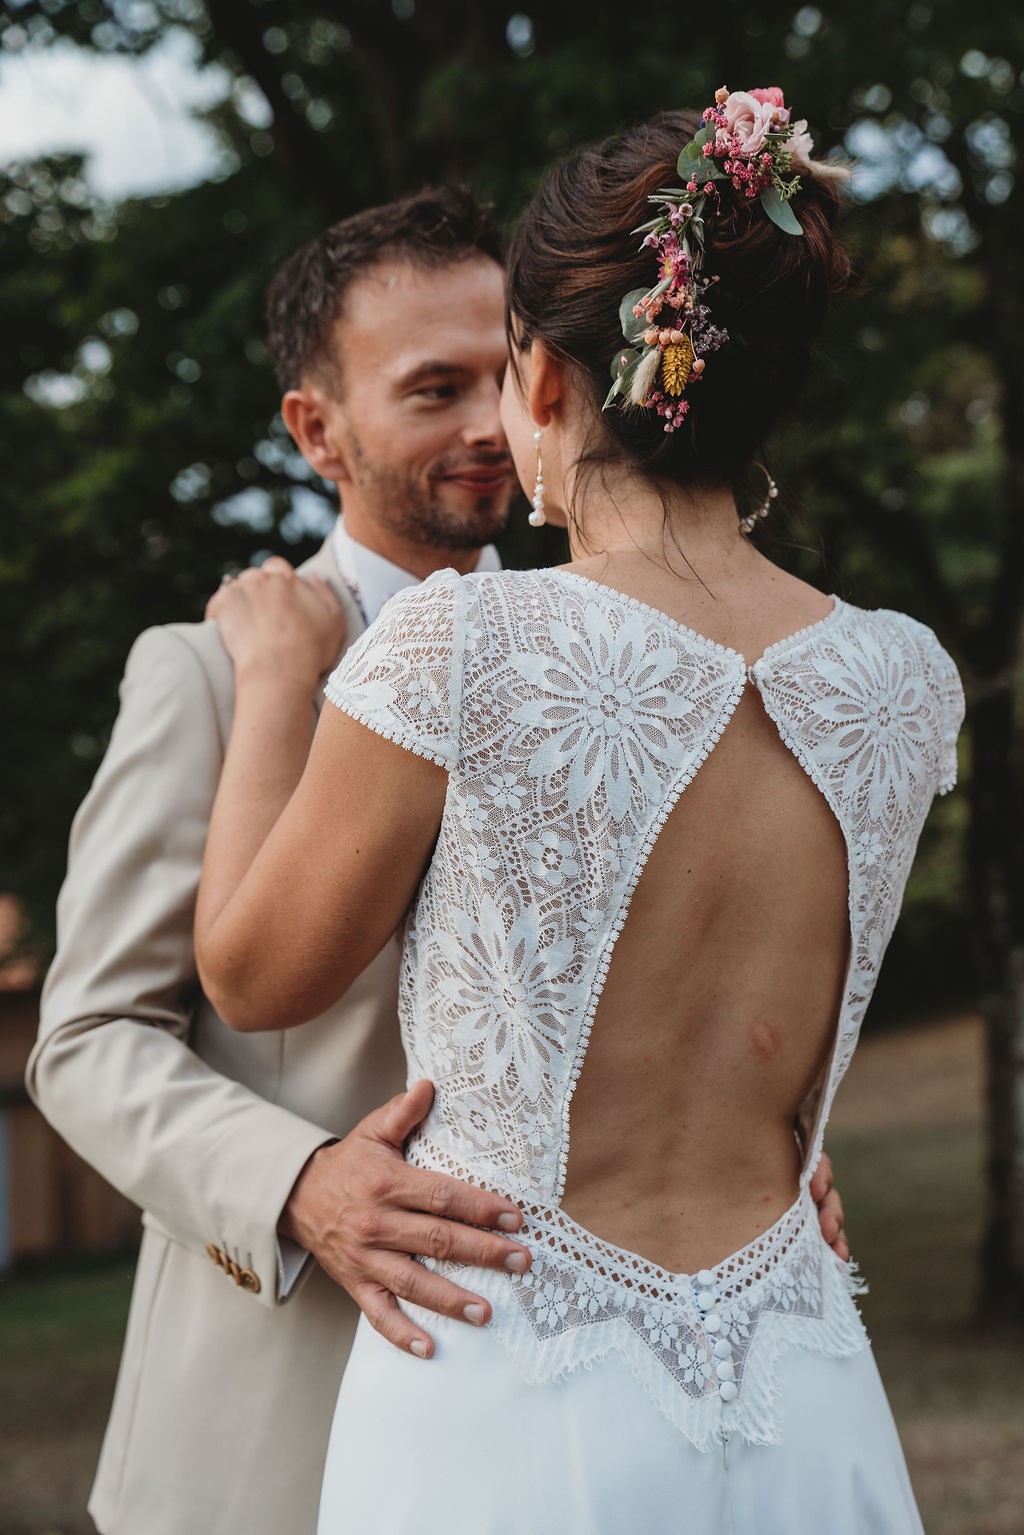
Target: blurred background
{"points": [[158, 159]]}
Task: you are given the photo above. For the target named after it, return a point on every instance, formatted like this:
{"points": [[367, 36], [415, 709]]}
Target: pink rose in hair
{"points": [[770, 94], [748, 119]]}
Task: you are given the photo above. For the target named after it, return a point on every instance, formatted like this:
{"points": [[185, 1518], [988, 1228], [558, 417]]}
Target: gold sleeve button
{"points": [[250, 1281]]}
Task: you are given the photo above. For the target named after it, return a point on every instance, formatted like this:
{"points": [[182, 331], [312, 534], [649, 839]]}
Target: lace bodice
{"points": [[570, 719]]}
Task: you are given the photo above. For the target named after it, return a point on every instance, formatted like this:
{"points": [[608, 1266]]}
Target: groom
{"points": [[253, 1155]]}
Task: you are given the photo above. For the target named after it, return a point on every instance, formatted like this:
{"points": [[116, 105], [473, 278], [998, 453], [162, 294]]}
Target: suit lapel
{"points": [[324, 565]]}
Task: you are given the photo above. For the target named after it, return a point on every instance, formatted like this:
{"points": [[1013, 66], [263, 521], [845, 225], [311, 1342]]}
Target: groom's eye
{"points": [[437, 392]]}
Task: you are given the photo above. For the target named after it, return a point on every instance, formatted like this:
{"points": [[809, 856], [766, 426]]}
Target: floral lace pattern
{"points": [[571, 718]]}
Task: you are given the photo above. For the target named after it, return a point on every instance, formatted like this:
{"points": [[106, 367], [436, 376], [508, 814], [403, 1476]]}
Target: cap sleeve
{"points": [[949, 693], [403, 677]]}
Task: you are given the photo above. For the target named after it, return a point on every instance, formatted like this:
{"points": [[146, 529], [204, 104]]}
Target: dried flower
{"points": [[676, 362]]}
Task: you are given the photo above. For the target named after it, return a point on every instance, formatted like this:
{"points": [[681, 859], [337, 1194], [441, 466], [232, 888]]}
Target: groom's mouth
{"points": [[490, 481]]}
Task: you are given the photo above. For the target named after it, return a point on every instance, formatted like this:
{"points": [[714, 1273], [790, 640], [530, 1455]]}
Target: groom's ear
{"points": [[314, 420]]}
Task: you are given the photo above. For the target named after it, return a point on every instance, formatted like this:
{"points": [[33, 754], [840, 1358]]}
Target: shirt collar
{"points": [[372, 579]]}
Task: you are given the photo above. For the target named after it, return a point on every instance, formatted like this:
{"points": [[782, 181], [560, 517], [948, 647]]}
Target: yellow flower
{"points": [[676, 363]]}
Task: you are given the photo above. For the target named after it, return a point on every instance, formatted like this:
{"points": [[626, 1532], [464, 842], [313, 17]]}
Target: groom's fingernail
{"points": [[510, 1221], [419, 1348], [517, 1262], [473, 1313]]}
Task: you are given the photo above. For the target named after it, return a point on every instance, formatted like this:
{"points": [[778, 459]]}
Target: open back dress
{"points": [[608, 1394]]}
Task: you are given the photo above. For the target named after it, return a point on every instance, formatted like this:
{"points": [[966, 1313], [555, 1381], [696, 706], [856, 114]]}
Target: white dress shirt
{"points": [[372, 579]]}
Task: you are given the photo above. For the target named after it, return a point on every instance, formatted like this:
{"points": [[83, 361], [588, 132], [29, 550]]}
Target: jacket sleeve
{"points": [[112, 1069]]}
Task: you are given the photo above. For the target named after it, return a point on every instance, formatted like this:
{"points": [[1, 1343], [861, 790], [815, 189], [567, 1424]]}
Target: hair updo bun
{"points": [[575, 254]]}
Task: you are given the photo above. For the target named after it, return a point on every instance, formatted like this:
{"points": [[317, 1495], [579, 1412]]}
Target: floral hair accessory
{"points": [[748, 138]]}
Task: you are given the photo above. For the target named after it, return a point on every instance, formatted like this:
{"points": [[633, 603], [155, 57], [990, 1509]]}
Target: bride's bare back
{"points": [[721, 1001]]}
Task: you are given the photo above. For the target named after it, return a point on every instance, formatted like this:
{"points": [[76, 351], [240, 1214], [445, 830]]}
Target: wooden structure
{"points": [[52, 1205]]}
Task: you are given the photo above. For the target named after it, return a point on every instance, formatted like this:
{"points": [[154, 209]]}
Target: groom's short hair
{"points": [[436, 227]]}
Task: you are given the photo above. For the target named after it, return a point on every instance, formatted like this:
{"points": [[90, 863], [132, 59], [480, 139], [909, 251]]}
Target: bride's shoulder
{"points": [[894, 628], [497, 592], [898, 650], [458, 609], [496, 582], [429, 611], [448, 588]]}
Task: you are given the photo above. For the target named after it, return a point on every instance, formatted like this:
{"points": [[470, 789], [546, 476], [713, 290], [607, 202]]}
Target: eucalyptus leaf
{"points": [[642, 229], [633, 326], [623, 360], [692, 151], [779, 212], [624, 378]]}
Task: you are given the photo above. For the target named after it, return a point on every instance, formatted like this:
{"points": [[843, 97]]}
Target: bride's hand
{"points": [[277, 622]]}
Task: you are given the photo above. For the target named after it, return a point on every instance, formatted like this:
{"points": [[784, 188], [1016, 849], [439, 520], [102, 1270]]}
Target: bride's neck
{"points": [[698, 528]]}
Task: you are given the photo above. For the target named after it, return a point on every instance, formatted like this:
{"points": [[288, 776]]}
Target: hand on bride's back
{"points": [[273, 620]]}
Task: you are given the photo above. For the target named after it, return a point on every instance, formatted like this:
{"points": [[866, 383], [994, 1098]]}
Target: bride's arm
{"points": [[310, 864]]}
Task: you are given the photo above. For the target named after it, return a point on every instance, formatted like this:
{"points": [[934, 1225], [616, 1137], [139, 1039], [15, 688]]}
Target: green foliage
{"points": [[780, 212], [141, 456], [633, 326]]}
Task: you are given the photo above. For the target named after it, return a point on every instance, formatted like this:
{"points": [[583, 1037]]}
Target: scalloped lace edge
{"points": [[705, 1421], [403, 738]]}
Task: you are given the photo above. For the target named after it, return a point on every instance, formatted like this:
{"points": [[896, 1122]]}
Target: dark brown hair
{"points": [[433, 228], [574, 256]]}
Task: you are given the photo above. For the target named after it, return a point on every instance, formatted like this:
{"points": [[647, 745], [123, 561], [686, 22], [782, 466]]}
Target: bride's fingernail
{"points": [[517, 1262], [419, 1348], [510, 1221], [473, 1313]]}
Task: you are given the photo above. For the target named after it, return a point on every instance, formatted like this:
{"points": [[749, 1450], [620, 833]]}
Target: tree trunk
{"points": [[1001, 1298], [999, 946], [996, 840]]}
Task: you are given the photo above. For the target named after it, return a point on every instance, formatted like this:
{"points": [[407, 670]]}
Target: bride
{"points": [[645, 820]]}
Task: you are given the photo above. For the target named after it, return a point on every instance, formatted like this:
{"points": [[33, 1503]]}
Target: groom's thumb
{"points": [[399, 1118]]}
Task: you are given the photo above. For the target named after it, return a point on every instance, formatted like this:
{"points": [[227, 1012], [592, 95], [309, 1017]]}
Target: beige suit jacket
{"points": [[225, 1394]]}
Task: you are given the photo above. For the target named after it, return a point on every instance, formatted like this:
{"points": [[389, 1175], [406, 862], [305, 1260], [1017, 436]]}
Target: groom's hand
{"points": [[830, 1207], [365, 1215]]}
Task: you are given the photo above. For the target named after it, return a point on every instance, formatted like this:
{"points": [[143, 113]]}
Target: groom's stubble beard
{"points": [[417, 511]]}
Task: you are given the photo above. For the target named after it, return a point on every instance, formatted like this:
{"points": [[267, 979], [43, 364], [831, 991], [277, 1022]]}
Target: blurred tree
{"points": [[140, 459]]}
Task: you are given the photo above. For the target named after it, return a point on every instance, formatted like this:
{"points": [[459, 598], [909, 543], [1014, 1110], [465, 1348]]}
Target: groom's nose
{"points": [[483, 420]]}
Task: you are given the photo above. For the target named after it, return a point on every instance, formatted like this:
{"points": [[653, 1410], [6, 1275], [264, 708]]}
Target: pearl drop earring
{"points": [[537, 518], [749, 523]]}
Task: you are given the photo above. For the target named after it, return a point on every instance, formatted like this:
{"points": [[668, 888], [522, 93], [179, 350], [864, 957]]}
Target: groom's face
{"points": [[413, 415]]}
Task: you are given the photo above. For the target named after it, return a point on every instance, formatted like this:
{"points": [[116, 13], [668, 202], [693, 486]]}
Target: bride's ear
{"points": [[547, 385]]}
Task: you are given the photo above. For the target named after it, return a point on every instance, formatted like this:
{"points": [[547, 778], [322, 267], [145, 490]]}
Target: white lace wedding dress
{"points": [[741, 1399]]}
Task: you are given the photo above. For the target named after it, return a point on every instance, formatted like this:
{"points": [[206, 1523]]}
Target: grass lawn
{"points": [[907, 1145], [60, 1339], [906, 1140]]}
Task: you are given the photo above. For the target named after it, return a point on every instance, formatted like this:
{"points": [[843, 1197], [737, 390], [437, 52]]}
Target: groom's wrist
{"points": [[302, 1214]]}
